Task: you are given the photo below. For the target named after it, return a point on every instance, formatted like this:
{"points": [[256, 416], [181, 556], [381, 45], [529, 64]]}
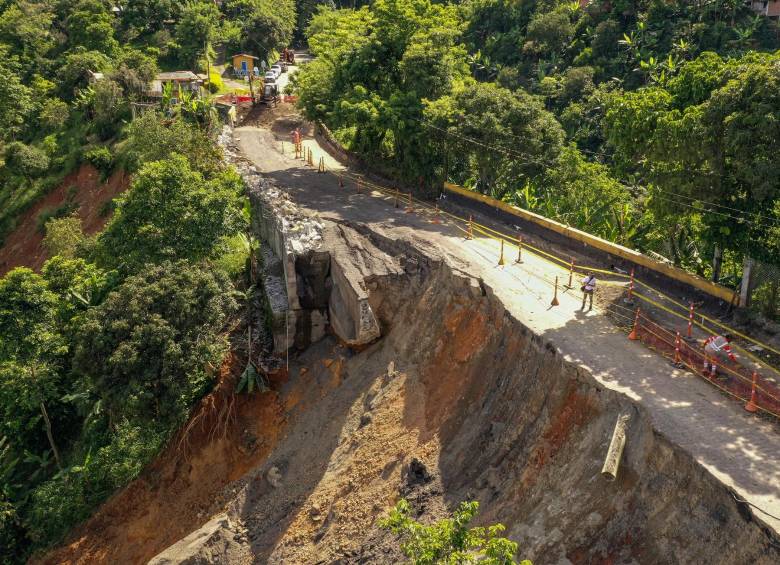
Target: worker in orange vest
{"points": [[717, 347]]}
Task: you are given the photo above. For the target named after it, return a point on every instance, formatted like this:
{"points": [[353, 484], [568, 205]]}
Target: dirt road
{"points": [[739, 449]]}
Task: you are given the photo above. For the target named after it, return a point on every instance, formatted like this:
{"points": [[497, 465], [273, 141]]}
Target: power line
{"points": [[504, 150], [738, 218], [517, 137], [755, 214], [745, 216]]}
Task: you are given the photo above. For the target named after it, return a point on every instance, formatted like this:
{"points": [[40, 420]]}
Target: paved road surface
{"points": [[741, 450]]}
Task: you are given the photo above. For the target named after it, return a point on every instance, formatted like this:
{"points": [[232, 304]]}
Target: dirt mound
{"points": [[457, 401], [82, 191]]}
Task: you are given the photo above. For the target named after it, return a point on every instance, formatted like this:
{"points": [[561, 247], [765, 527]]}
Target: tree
{"points": [[197, 28], [16, 99], [265, 25], [25, 161], [74, 74], [146, 348], [171, 212], [149, 138], [63, 236], [91, 26], [53, 114], [450, 541], [148, 16], [26, 27], [30, 350], [108, 105], [507, 137]]}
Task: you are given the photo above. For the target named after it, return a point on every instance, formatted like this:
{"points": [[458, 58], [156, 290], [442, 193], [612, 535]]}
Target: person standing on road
{"points": [[588, 288], [717, 348]]}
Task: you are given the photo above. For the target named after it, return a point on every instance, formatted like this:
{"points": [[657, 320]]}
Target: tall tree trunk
{"points": [[50, 435], [747, 271], [717, 262]]}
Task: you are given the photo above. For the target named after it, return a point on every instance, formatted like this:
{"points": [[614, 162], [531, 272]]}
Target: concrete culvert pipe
{"points": [[615, 451]]}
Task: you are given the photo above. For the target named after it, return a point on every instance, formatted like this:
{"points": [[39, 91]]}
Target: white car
{"points": [[270, 76], [277, 69]]}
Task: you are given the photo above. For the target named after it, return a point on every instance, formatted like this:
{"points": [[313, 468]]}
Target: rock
{"points": [[365, 419], [274, 477], [217, 541], [417, 474]]}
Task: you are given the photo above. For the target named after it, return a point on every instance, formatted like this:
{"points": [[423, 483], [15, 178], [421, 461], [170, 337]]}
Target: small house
{"points": [[181, 80], [243, 64], [768, 8]]}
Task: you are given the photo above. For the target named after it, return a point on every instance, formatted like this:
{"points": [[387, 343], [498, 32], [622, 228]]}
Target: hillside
{"points": [[209, 351]]}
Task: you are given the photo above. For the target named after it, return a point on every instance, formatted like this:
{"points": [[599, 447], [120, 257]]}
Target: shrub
{"points": [[63, 236], [54, 114], [215, 83], [450, 540], [100, 158], [25, 160]]}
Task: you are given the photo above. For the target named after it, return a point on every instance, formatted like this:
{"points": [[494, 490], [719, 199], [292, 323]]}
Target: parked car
{"points": [[283, 65], [277, 69], [270, 76]]}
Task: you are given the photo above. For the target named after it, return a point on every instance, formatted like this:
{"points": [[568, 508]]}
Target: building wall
{"points": [[238, 60]]}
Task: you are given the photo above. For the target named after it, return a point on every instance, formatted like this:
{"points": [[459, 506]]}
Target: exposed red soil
{"points": [[23, 247], [226, 437]]}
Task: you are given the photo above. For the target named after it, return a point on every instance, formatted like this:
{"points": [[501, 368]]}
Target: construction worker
{"points": [[717, 347], [588, 288]]}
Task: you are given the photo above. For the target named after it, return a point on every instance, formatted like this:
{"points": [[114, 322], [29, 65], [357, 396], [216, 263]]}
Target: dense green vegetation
{"points": [[106, 350], [450, 540], [648, 122]]}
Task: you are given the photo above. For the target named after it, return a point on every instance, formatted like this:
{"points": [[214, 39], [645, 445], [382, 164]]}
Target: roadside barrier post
{"points": [[571, 275], [311, 158], [519, 249], [357, 185], [501, 257], [470, 229], [555, 294], [677, 357], [410, 207], [341, 181], [751, 404], [690, 322], [633, 336], [396, 198], [321, 168], [436, 218], [631, 286]]}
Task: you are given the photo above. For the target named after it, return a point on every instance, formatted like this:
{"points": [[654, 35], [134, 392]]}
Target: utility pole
{"points": [[208, 64], [251, 90]]}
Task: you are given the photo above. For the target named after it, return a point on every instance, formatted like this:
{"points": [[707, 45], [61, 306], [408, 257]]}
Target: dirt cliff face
{"points": [[458, 401], [455, 401]]}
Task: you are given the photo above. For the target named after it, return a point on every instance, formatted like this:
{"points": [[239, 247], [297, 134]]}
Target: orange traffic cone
{"points": [[633, 335], [501, 257], [751, 404], [436, 219]]}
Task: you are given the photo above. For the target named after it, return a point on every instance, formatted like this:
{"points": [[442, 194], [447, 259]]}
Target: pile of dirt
{"points": [[82, 191], [456, 401]]}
